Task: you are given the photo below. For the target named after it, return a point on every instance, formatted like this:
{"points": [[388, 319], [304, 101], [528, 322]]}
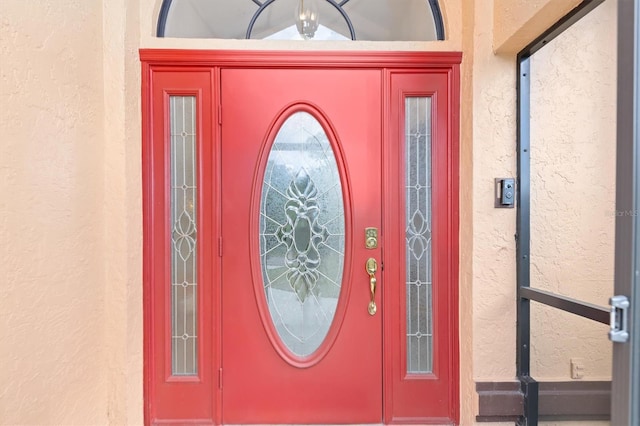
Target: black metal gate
{"points": [[625, 326]]}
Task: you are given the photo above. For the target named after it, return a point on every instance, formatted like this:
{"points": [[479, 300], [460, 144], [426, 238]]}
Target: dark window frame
{"points": [[435, 10]]}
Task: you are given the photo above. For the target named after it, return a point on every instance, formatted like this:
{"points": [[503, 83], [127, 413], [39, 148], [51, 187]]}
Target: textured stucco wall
{"points": [[573, 114], [123, 207], [52, 340], [573, 168], [468, 399], [70, 176], [494, 155], [573, 137], [518, 22]]}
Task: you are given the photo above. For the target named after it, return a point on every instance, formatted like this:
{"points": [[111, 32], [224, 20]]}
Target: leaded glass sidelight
{"points": [[184, 286], [418, 234], [302, 237]]}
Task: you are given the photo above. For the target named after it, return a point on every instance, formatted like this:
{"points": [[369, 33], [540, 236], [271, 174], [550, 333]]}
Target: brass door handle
{"points": [[372, 267]]}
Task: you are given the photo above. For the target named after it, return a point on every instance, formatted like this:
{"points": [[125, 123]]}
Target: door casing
{"points": [[166, 72]]}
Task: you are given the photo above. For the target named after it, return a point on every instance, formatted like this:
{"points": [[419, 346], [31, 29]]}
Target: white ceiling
{"points": [[389, 20]]}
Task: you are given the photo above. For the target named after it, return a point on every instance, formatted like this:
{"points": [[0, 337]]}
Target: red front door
{"points": [[299, 344], [265, 175]]}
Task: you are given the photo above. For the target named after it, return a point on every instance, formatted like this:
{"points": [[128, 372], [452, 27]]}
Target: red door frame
{"points": [[185, 72], [404, 401]]}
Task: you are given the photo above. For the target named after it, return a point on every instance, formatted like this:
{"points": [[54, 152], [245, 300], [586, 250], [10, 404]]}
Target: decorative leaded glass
{"points": [[302, 238], [184, 341], [418, 234]]}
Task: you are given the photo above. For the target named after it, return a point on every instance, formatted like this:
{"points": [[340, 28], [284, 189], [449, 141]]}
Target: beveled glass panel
{"points": [[302, 239], [418, 234], [184, 303]]}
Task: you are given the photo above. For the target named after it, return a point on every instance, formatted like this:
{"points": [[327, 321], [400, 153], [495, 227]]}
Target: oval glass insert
{"points": [[302, 239]]}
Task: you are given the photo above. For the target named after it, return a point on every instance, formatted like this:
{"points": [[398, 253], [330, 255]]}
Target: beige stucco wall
{"points": [[573, 138], [518, 22], [573, 188], [52, 218], [494, 132], [123, 207], [71, 211]]}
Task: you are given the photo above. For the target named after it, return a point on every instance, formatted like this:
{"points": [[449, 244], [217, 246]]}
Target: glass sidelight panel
{"points": [[418, 234], [302, 239], [184, 286]]}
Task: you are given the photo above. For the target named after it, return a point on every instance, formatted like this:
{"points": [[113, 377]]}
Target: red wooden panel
{"points": [[420, 398], [333, 388], [260, 385], [176, 398]]}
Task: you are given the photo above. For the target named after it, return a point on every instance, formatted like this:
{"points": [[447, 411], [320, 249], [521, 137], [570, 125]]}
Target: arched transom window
{"points": [[375, 20]]}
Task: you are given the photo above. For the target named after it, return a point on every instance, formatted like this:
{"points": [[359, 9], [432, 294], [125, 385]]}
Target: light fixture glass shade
{"points": [[307, 18]]}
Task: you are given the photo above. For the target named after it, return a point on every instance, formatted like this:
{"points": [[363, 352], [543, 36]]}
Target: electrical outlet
{"points": [[577, 368]]}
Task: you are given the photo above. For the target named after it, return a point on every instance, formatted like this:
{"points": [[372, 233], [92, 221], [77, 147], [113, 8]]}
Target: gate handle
{"points": [[372, 267]]}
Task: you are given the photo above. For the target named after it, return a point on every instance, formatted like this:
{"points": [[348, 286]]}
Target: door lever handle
{"points": [[372, 267]]}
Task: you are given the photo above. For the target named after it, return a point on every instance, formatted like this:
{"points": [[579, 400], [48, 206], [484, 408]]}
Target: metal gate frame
{"points": [[626, 356]]}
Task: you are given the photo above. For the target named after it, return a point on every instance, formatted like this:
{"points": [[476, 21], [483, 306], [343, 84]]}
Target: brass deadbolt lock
{"points": [[371, 238]]}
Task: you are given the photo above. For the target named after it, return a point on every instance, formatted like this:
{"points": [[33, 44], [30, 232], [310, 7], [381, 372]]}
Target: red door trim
{"points": [[403, 403], [300, 59], [154, 169], [191, 395]]}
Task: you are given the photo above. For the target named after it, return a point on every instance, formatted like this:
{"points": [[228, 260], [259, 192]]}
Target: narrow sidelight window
{"points": [[418, 234], [184, 284]]}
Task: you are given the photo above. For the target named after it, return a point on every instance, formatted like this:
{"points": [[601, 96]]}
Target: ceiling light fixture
{"points": [[307, 18]]}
